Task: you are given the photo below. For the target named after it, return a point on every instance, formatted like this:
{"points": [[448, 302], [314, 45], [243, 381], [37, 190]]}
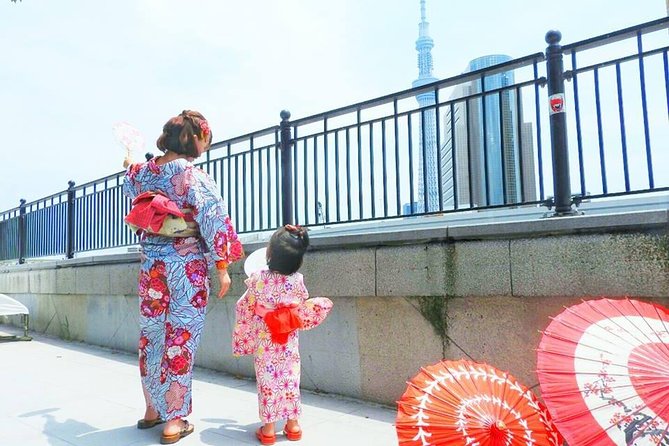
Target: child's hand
{"points": [[224, 280], [127, 161]]}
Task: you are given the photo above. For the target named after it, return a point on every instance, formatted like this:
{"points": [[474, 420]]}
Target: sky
{"points": [[73, 68]]}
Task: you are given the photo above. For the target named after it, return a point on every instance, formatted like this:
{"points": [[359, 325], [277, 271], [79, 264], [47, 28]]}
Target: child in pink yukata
{"points": [[268, 316]]}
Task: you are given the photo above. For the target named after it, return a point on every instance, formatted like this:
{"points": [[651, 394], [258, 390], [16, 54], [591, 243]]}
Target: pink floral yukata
{"points": [[277, 365], [173, 280]]}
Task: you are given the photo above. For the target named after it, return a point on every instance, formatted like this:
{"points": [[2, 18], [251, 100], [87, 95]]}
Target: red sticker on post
{"points": [[556, 103]]}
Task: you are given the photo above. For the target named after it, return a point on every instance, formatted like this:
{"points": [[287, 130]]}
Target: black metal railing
{"points": [[618, 130], [479, 140], [362, 168]]}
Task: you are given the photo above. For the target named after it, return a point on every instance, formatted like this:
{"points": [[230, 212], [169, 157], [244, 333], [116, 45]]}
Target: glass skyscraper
{"points": [[494, 156]]}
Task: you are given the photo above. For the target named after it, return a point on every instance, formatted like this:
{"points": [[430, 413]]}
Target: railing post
{"points": [[70, 220], [286, 169], [558, 123], [22, 231]]}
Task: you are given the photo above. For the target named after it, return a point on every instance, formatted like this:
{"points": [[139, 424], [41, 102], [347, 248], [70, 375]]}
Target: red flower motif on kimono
{"points": [[236, 250], [196, 271], [153, 307], [182, 338], [133, 170], [186, 245], [175, 396], [221, 245], [143, 342], [266, 391], [157, 269], [153, 167], [142, 364], [177, 337], [144, 280], [153, 290], [180, 182], [200, 299], [164, 366], [158, 284], [179, 365]]}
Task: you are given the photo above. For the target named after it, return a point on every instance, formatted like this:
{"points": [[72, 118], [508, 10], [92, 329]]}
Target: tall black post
{"points": [[70, 220], [22, 231], [286, 169], [558, 123]]}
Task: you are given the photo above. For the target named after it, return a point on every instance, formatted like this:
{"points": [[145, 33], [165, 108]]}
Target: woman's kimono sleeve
{"points": [[210, 213], [244, 339], [129, 187]]}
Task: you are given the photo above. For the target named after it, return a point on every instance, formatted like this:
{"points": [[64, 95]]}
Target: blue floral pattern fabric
{"points": [[173, 280]]}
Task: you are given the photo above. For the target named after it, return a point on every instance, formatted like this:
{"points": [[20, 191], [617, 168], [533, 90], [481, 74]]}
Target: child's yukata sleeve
{"points": [[311, 311], [243, 338], [210, 213]]}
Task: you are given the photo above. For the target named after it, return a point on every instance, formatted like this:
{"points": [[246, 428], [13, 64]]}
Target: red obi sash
{"points": [[155, 213], [281, 321]]}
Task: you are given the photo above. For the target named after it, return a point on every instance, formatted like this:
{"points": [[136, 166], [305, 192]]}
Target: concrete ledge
{"points": [[108, 259], [594, 265], [413, 230], [416, 270], [378, 238], [343, 272], [637, 221], [480, 268]]}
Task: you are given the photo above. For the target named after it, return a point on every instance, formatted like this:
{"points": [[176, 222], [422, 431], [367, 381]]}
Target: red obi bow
{"points": [[281, 321], [149, 211]]}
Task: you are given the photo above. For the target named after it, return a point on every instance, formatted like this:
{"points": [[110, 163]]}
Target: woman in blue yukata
{"points": [[179, 214]]}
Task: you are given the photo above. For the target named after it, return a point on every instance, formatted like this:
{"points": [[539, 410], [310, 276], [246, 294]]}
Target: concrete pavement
{"points": [[59, 393]]}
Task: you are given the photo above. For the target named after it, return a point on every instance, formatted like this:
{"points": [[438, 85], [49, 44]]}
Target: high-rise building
{"points": [[427, 153], [494, 155]]}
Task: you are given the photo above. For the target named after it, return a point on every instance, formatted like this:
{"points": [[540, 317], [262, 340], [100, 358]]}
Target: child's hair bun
{"points": [[298, 232]]}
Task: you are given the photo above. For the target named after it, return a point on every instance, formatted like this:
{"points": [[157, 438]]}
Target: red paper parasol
{"points": [[466, 403], [603, 366]]}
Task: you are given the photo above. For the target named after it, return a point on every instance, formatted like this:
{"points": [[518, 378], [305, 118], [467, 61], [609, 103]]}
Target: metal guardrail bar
{"points": [[616, 36], [411, 92]]}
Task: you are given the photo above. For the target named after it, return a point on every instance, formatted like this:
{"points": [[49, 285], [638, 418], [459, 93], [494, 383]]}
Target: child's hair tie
{"points": [[295, 230]]}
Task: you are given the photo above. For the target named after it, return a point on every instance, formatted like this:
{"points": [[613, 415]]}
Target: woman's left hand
{"points": [[224, 281]]}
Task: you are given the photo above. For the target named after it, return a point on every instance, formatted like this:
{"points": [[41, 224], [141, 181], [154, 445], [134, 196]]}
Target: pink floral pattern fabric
{"points": [[174, 282], [277, 366]]}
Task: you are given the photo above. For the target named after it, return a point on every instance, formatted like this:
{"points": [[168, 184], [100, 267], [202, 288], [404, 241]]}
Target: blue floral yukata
{"points": [[173, 280]]}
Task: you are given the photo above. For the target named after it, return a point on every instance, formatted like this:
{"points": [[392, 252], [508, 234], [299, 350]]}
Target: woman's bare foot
{"points": [[173, 427], [150, 414], [175, 430]]}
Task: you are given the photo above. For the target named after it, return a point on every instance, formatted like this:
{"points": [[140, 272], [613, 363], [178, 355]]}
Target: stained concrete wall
{"points": [[403, 298]]}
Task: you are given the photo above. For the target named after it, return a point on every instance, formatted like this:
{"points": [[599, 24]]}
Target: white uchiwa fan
{"points": [[256, 261]]}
